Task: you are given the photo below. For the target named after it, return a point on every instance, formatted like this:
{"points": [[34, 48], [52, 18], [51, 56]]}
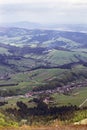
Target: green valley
{"points": [[42, 73]]}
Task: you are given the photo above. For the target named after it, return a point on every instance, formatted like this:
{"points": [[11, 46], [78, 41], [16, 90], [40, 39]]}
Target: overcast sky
{"points": [[44, 11]]}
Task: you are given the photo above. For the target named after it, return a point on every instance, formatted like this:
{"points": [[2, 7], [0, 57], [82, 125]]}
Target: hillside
{"points": [[43, 38], [37, 57], [43, 73]]}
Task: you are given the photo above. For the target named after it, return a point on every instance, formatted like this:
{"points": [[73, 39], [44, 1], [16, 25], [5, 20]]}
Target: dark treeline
{"points": [[3, 103], [42, 109]]}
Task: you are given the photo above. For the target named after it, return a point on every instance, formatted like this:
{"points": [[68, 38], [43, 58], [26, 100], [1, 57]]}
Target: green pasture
{"points": [[76, 98]]}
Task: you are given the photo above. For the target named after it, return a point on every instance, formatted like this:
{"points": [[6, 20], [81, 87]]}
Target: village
{"points": [[66, 89]]}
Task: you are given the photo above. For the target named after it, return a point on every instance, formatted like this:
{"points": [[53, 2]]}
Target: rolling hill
{"points": [[43, 77], [32, 59]]}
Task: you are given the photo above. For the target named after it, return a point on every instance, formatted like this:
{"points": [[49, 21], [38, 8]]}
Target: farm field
{"points": [[76, 98]]}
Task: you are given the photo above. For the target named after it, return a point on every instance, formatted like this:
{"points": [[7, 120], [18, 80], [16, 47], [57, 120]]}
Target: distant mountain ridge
{"points": [[33, 25], [43, 38]]}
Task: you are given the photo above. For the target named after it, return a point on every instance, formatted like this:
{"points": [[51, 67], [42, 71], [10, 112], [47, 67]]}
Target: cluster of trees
{"points": [[23, 112], [3, 103], [43, 113]]}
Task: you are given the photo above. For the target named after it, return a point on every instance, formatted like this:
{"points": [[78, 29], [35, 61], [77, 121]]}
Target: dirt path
{"points": [[83, 103]]}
